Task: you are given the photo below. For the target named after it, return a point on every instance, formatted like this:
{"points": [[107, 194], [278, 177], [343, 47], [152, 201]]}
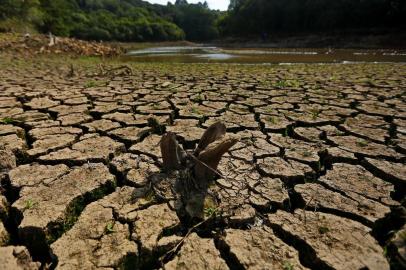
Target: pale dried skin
{"points": [[130, 134], [4, 235], [149, 146], [317, 197], [398, 244], [98, 149], [338, 242], [197, 253], [338, 155], [13, 142], [277, 167], [125, 119], [39, 133], [102, 125], [254, 148], [38, 215], [4, 207], [7, 161], [269, 191], [35, 174], [298, 150], [150, 223], [41, 103], [9, 129], [74, 119], [96, 241], [274, 123], [363, 147], [16, 258], [50, 143], [354, 179], [395, 172], [259, 248]]}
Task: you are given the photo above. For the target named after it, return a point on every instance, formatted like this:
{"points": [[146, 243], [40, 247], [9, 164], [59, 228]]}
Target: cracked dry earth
{"points": [[316, 181]]}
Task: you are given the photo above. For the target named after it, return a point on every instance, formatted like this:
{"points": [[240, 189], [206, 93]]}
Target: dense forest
{"points": [[137, 20]]}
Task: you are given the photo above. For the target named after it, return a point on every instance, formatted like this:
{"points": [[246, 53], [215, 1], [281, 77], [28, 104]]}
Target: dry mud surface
{"points": [[316, 181]]}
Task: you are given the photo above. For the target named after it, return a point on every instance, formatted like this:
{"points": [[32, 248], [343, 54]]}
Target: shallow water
{"points": [[203, 54]]}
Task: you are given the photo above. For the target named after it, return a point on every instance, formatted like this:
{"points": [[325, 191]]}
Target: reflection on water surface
{"points": [[201, 54]]}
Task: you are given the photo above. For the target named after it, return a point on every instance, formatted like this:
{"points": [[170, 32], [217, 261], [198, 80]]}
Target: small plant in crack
{"points": [[339, 133], [194, 110], [385, 251], [210, 211], [287, 265], [285, 133], [315, 113], [269, 109], [90, 84], [362, 143], [323, 230], [149, 196], [199, 98], [306, 153], [30, 204], [156, 126], [7, 120], [110, 227], [156, 106], [273, 120], [319, 165], [281, 84], [403, 236]]}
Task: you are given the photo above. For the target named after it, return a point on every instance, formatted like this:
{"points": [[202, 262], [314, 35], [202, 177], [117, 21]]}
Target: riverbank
{"points": [[379, 39]]}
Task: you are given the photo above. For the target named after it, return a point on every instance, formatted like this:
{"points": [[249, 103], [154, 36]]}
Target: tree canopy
{"points": [[137, 20]]}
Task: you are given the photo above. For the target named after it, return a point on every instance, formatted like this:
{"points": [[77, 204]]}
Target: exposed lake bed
{"points": [[319, 161], [201, 54]]}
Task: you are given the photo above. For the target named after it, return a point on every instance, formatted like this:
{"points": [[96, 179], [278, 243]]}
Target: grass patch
{"points": [[195, 110], [272, 120], [306, 153], [315, 113], [362, 143], [323, 230], [8, 120], [30, 204], [110, 227], [91, 84], [287, 265]]}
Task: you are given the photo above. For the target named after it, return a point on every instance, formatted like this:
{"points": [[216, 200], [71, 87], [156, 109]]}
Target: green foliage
{"points": [[20, 15], [90, 84], [197, 20], [362, 143], [323, 230], [29, 204], [210, 211], [263, 17], [7, 120], [136, 20], [110, 227], [287, 266]]}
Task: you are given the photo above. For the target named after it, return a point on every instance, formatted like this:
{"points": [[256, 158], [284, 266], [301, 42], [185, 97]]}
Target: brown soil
{"points": [[316, 180]]}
